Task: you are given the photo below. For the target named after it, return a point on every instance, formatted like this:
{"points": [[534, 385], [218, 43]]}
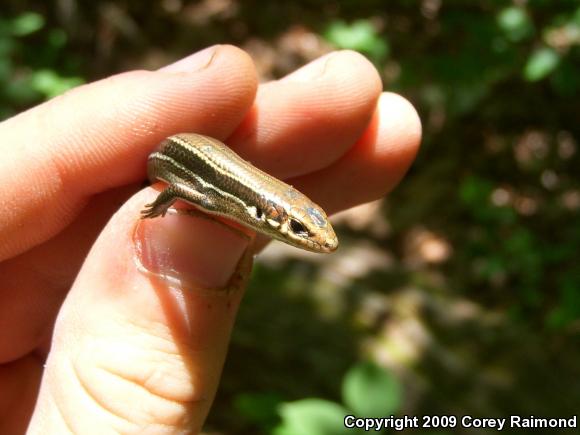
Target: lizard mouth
{"points": [[326, 247], [330, 245]]}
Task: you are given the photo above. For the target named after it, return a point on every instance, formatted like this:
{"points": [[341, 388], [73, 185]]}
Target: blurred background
{"points": [[457, 294]]}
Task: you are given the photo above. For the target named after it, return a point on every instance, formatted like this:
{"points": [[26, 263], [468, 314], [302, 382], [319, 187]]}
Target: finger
{"points": [[307, 120], [19, 383], [142, 336], [34, 284], [98, 136], [374, 165], [333, 97]]}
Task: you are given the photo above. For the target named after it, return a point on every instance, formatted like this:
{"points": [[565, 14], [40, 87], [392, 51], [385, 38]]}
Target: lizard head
{"points": [[302, 224], [309, 227]]}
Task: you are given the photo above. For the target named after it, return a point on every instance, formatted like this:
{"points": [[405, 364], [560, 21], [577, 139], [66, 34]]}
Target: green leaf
{"points": [[474, 191], [57, 38], [259, 408], [515, 23], [312, 417], [371, 391], [50, 84], [568, 308], [576, 17], [282, 430], [540, 64], [566, 80], [7, 46], [20, 92], [27, 23], [361, 36]]}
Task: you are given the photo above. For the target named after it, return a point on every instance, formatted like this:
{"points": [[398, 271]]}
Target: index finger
{"points": [[98, 136]]}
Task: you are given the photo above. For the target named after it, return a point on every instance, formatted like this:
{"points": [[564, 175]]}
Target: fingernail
{"points": [[312, 70], [192, 251], [194, 62]]}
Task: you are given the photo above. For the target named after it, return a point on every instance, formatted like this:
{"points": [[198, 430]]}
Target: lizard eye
{"points": [[259, 213], [297, 228]]}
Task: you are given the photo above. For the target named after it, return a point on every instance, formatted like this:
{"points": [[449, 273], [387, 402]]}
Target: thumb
{"points": [[141, 338]]}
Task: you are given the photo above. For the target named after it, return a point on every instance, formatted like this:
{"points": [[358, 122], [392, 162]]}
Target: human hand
{"points": [[130, 351]]}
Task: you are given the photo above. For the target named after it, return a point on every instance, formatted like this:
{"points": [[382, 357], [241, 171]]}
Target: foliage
{"points": [[367, 390], [371, 391], [29, 75], [360, 36], [312, 417]]}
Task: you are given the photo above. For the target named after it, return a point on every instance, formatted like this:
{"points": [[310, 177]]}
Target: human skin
{"points": [[90, 342]]}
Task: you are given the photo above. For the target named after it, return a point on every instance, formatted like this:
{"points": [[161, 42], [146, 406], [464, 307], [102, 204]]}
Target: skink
{"points": [[206, 173]]}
